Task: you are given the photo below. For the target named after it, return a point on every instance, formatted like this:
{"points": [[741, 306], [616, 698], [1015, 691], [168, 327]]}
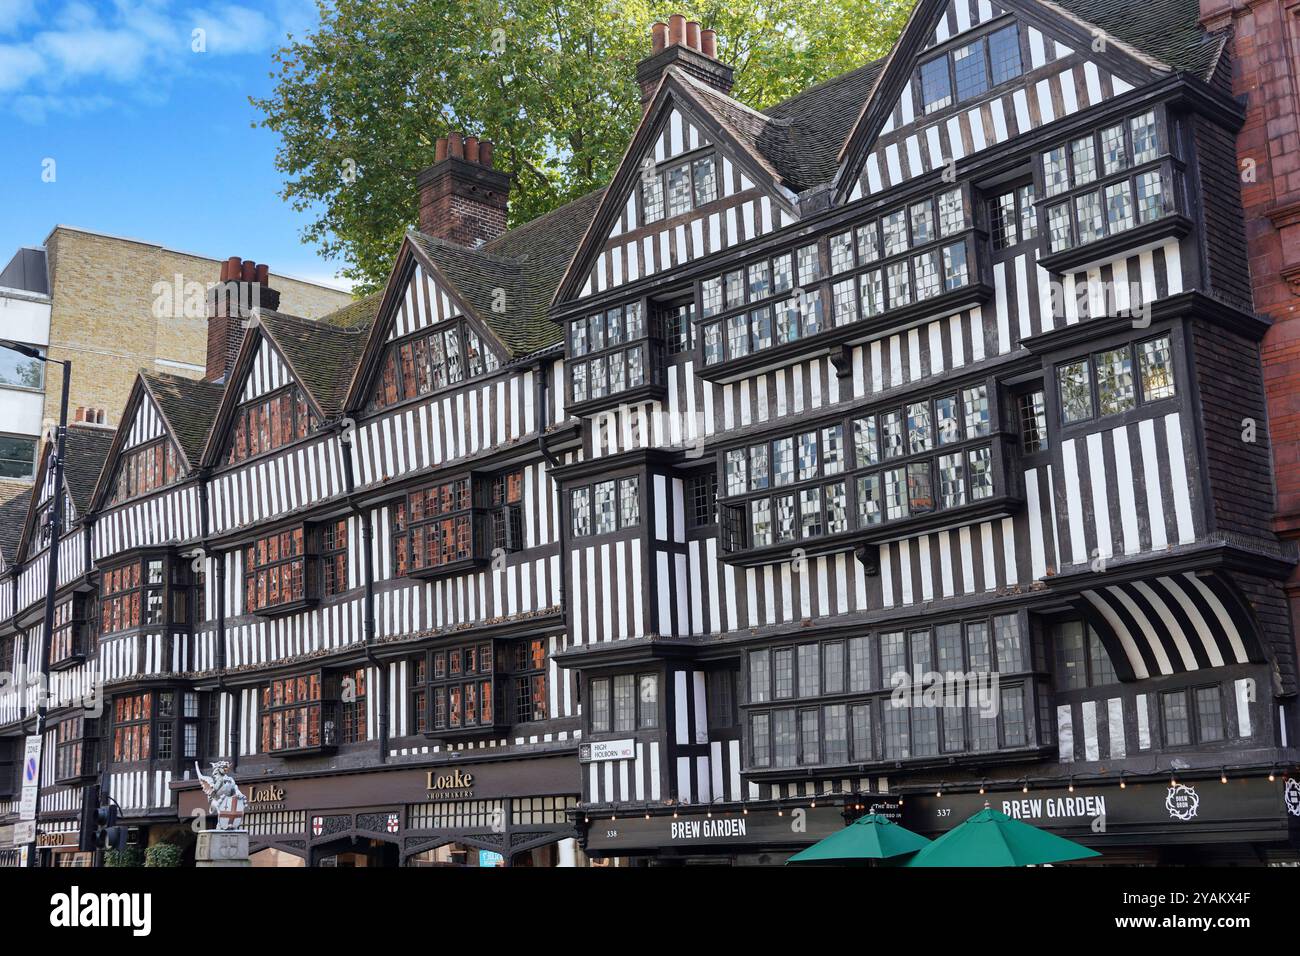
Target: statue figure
{"points": [[225, 799]]}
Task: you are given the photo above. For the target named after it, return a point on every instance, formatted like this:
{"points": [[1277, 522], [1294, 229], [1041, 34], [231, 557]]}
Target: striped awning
{"points": [[1172, 624]]}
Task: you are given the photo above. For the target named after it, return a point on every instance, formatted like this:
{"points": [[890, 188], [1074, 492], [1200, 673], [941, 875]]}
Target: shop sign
{"points": [[22, 833], [65, 838], [265, 797], [490, 858], [450, 783], [1291, 796], [794, 828], [1173, 806], [601, 750]]}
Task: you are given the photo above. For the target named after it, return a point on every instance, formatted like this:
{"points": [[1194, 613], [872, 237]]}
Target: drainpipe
{"points": [[347, 430]]}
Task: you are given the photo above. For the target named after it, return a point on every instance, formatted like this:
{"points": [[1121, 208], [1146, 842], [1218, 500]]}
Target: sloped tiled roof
{"points": [[189, 405], [358, 314], [322, 356], [13, 514], [87, 450], [1168, 30], [527, 262]]}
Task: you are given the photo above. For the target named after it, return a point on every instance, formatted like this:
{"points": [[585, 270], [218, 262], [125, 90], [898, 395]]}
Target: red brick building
{"points": [[1265, 38]]}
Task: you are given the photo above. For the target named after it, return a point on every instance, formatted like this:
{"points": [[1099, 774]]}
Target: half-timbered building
{"points": [[902, 446]]}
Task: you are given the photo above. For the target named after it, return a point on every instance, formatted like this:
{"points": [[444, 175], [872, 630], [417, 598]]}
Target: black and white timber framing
{"points": [[693, 656]]}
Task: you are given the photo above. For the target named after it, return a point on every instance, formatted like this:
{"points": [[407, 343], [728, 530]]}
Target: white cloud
{"points": [[76, 53]]}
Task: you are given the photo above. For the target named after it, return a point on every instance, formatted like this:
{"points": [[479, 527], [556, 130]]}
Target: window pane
{"points": [[1004, 54], [936, 88], [1144, 138], [1209, 714], [705, 180], [1076, 391], [1115, 389], [971, 71], [1174, 711], [1157, 368]]}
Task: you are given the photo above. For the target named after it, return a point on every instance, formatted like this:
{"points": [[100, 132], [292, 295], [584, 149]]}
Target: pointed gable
{"points": [[703, 173], [86, 451], [968, 75]]}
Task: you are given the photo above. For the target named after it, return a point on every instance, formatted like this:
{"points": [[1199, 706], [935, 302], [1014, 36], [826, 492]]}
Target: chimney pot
{"points": [[440, 149], [263, 274], [249, 271], [464, 203], [658, 37], [231, 269], [693, 34], [456, 145], [485, 153], [676, 29], [709, 43], [471, 149]]}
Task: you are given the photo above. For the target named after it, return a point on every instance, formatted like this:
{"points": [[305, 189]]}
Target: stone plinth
{"points": [[222, 848]]}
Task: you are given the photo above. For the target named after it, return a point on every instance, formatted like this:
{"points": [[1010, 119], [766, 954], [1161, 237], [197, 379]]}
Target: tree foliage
{"points": [[358, 104]]}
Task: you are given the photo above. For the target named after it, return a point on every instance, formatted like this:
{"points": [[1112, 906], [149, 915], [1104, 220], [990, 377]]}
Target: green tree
{"points": [[358, 103]]}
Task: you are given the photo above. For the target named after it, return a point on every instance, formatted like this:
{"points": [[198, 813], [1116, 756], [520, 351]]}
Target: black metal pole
{"points": [[51, 589]]}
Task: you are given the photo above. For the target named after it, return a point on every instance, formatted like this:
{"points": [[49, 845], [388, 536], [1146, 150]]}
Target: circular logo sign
{"points": [[1291, 796], [1182, 802]]}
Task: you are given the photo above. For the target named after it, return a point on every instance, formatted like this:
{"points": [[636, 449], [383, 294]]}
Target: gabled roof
{"points": [[527, 262], [188, 407], [1168, 30], [320, 355], [86, 451], [1159, 36]]}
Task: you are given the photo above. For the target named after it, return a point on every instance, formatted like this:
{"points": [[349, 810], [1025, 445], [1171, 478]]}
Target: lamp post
{"points": [[52, 572]]}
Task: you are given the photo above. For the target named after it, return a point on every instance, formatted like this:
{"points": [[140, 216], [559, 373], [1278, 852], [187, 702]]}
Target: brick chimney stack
{"points": [[462, 198], [243, 287], [683, 44]]}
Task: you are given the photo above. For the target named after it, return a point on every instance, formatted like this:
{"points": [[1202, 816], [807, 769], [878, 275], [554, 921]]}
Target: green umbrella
{"points": [[991, 838], [872, 837]]}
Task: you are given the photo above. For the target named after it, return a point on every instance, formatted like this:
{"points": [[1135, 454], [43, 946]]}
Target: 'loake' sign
{"points": [[457, 783]]}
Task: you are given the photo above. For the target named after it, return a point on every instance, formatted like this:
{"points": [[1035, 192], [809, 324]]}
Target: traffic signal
{"points": [[98, 824]]}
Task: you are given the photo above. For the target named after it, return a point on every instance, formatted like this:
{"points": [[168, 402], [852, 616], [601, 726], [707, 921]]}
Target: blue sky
{"points": [[149, 138]]}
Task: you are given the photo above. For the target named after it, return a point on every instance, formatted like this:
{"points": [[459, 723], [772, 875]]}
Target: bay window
{"points": [[1116, 380], [270, 422], [431, 360]]}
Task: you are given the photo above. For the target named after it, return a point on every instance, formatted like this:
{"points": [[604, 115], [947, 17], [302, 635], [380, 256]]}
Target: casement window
{"points": [[675, 188], [352, 706], [930, 259], [605, 507], [71, 639], [275, 571], [506, 496], [971, 69], [433, 527], [1014, 217], [1031, 412], [1107, 183], [431, 360], [958, 469], [1081, 659], [134, 595], [871, 727], [145, 469], [270, 422], [702, 499], [334, 556], [624, 703], [179, 726], [75, 749], [299, 714], [1192, 716], [17, 457], [721, 692], [132, 727], [615, 351], [1111, 382], [454, 690], [528, 677]]}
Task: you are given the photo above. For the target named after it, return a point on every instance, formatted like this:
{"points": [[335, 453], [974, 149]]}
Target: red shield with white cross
{"points": [[393, 824], [317, 826]]}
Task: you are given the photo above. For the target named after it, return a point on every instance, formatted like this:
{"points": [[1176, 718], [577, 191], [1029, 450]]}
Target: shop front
{"points": [[1215, 820], [730, 836], [504, 812]]}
